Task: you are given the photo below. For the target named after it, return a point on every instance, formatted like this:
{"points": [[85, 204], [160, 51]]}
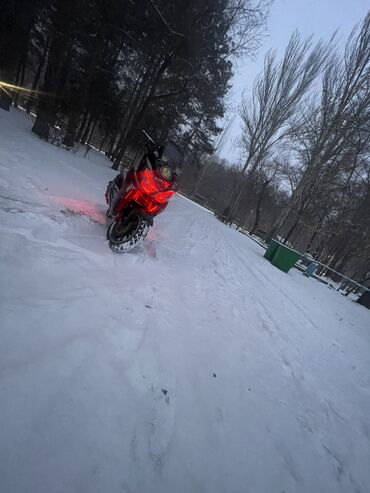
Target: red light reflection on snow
{"points": [[84, 207], [153, 235]]}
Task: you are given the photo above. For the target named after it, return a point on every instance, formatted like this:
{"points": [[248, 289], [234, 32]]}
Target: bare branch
{"points": [[164, 20]]}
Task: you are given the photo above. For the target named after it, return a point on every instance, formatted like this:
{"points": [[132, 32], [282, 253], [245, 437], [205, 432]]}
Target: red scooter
{"points": [[135, 200]]}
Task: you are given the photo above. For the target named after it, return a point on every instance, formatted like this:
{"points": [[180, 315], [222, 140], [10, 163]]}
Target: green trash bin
{"points": [[271, 250], [285, 258]]}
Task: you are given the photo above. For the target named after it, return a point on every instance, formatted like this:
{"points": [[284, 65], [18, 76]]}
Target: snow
{"points": [[191, 365]]}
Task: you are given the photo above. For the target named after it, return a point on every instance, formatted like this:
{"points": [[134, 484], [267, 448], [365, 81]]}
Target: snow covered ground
{"points": [[191, 365]]}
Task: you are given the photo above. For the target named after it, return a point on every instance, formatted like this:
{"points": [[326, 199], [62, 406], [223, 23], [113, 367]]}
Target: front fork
{"points": [[111, 197]]}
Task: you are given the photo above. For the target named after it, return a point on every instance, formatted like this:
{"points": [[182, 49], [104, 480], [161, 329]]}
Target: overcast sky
{"points": [[318, 17]]}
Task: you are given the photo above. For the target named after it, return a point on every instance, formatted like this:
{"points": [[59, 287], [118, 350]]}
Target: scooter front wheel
{"points": [[125, 234]]}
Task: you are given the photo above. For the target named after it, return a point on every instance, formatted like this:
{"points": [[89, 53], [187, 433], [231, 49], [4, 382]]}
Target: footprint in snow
{"points": [[162, 423]]}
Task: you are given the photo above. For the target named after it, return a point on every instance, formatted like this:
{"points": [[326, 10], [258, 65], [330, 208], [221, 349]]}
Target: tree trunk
{"points": [[38, 72], [132, 101], [41, 65], [5, 100], [87, 130], [45, 112], [56, 64], [103, 141], [92, 131], [199, 180], [69, 138], [237, 193], [82, 126], [122, 144], [137, 115], [112, 143], [57, 68], [18, 77], [311, 240], [291, 230], [23, 73], [258, 206], [81, 96]]}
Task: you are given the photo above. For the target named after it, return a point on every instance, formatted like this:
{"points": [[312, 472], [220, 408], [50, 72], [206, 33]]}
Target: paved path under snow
{"points": [[191, 365]]}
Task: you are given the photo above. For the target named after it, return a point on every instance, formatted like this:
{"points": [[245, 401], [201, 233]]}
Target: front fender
{"points": [[133, 205]]}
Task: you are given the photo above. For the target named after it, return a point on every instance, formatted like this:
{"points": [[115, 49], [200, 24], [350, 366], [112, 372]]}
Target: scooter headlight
{"points": [[165, 171]]}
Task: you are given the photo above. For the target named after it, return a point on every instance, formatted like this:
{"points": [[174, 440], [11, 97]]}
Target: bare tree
{"points": [[216, 149], [277, 93], [276, 172], [336, 131]]}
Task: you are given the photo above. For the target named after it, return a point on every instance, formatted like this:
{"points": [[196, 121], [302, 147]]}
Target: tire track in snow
{"points": [[261, 277]]}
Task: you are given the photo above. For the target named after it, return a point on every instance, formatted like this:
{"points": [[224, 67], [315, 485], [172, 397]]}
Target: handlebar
{"points": [[152, 146]]}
